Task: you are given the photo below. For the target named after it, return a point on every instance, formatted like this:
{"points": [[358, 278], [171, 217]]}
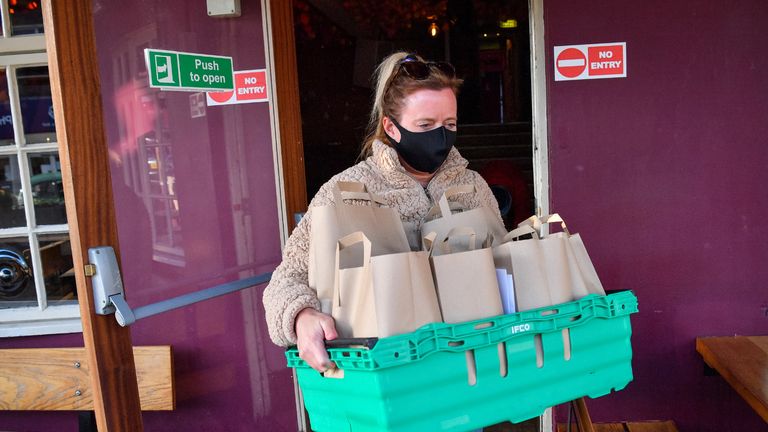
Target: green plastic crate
{"points": [[420, 382]]}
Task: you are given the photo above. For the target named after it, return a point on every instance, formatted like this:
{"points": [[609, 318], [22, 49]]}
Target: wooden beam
{"points": [[76, 93], [652, 426], [287, 105], [50, 379], [608, 427], [583, 419], [646, 426]]}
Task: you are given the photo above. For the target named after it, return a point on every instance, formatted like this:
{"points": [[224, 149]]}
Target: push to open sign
{"points": [[594, 61]]}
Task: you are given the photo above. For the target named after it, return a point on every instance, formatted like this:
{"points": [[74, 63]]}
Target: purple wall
{"points": [[196, 206], [661, 173]]}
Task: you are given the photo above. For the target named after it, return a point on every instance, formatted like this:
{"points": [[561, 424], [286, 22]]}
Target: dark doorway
{"points": [[339, 43]]}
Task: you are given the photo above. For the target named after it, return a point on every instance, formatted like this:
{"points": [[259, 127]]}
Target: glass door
{"points": [[197, 204]]}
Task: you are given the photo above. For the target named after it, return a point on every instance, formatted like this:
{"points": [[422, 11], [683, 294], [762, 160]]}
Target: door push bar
{"points": [[108, 293]]}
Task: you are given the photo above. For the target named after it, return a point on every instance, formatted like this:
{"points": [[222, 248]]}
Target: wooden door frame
{"points": [[76, 93], [287, 106]]}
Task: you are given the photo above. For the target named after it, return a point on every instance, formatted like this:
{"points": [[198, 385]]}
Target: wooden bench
{"points": [[742, 361], [49, 379]]}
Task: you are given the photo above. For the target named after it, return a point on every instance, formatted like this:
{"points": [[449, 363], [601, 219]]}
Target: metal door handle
{"points": [[108, 289]]}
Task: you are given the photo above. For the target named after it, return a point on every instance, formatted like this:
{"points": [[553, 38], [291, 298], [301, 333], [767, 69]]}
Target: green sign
{"points": [[173, 70]]}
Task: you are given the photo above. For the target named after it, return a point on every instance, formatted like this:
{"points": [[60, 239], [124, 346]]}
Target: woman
{"points": [[409, 161]]}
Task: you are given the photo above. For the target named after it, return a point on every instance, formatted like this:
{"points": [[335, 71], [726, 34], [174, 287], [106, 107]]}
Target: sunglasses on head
{"points": [[420, 70]]}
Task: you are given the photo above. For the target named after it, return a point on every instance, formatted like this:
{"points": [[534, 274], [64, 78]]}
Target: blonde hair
{"points": [[391, 90]]}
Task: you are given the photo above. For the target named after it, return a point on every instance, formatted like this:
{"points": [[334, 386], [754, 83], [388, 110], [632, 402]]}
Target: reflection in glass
{"points": [[26, 17], [146, 156], [159, 190], [166, 231], [11, 200], [58, 270], [47, 189], [17, 283], [6, 121], [36, 104], [157, 183]]}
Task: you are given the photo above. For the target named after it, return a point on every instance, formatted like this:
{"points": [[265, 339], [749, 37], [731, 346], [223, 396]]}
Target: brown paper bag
{"points": [[353, 305], [584, 280], [466, 282], [526, 261], [405, 293], [383, 295], [481, 220], [548, 270], [588, 272], [381, 225]]}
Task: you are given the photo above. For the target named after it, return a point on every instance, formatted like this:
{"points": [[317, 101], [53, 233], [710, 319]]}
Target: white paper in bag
{"points": [[507, 290]]}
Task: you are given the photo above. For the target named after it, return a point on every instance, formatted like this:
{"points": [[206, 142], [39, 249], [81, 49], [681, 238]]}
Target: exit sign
{"points": [[173, 70]]}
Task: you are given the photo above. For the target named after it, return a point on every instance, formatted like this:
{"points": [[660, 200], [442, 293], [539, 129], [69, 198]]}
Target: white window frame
{"points": [[21, 52], [540, 135]]}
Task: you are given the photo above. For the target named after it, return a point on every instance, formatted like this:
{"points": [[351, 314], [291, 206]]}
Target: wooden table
{"points": [[743, 362]]}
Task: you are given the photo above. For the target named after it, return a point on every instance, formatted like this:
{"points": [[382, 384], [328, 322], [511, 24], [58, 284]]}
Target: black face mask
{"points": [[424, 151]]}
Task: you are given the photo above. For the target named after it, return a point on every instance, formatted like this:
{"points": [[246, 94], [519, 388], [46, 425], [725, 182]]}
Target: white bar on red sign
{"points": [[591, 61]]}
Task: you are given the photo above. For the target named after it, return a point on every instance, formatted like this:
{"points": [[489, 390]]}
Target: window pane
{"points": [[17, 286], [6, 121], [58, 270], [26, 17], [47, 189], [11, 206], [36, 104]]}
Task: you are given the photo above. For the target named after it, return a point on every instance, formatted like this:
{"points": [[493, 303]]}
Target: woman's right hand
{"points": [[313, 328]]}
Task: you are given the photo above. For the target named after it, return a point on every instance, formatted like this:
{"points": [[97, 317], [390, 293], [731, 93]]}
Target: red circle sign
{"points": [[221, 97], [571, 63]]}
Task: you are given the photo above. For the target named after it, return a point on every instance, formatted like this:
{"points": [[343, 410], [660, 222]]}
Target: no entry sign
{"points": [[250, 87], [593, 61]]}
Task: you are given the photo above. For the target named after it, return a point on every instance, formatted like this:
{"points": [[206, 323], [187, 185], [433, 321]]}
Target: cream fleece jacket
{"points": [[288, 292]]}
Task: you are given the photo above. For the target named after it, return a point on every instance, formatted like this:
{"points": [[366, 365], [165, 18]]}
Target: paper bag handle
{"points": [[354, 190], [435, 212], [532, 221], [428, 242], [445, 208], [456, 232], [343, 243], [536, 222], [519, 232], [554, 218]]}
